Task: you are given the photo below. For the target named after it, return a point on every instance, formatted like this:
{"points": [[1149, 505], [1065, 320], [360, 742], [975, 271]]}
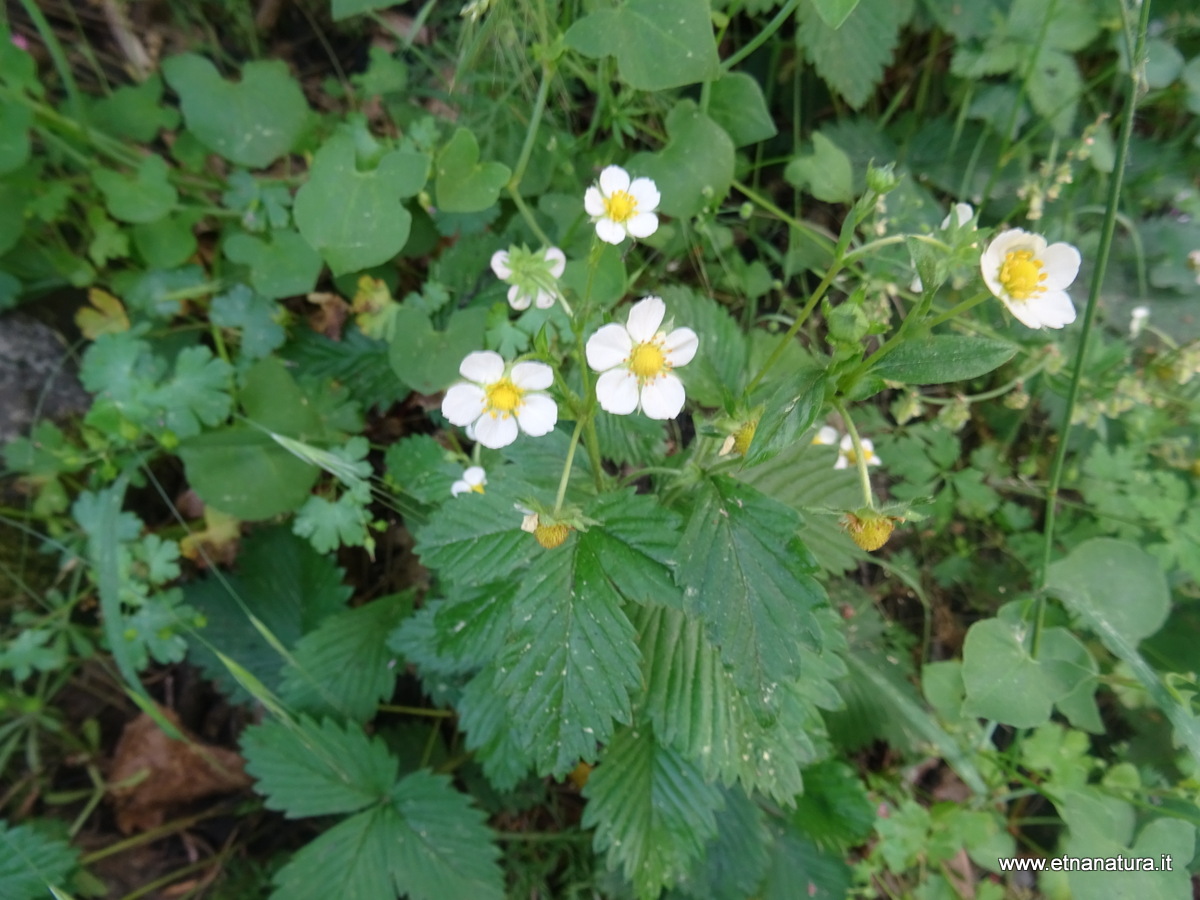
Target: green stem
{"points": [[834, 268], [527, 215], [959, 309], [54, 48], [535, 121], [860, 456], [809, 231], [762, 37], [566, 473], [1106, 236]]}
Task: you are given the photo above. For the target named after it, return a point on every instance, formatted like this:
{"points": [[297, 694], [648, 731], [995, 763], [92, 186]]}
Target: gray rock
{"points": [[37, 377]]}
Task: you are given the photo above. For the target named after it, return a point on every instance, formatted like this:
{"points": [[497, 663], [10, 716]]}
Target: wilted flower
{"points": [[496, 398], [532, 275], [473, 479], [620, 206], [1031, 278], [636, 361], [847, 457]]}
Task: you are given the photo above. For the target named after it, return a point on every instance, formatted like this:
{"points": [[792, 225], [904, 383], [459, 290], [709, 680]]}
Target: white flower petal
{"points": [[663, 397], [847, 443], [962, 212], [645, 192], [1062, 265], [873, 459], [532, 376], [826, 435], [482, 367], [1026, 312], [644, 318], [495, 431], [537, 415], [843, 462], [516, 299], [608, 347], [464, 403], [613, 179], [609, 231], [593, 202], [459, 487], [1055, 309], [642, 225], [617, 391], [557, 260], [500, 265], [680, 346], [475, 475], [545, 299]]}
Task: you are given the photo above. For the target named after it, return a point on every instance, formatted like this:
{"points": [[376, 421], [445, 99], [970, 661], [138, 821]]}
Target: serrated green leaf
{"points": [[282, 266], [490, 735], [470, 628], [943, 358], [749, 577], [834, 810], [721, 368], [354, 218], [330, 524], [834, 12], [320, 682], [475, 539], [733, 864], [252, 122], [426, 842], [197, 393], [695, 169], [281, 581], [631, 440], [658, 44], [145, 197], [311, 768], [417, 464], [464, 184], [427, 360], [799, 866], [736, 103], [356, 361], [852, 58], [652, 811], [571, 659], [31, 860], [789, 413]]}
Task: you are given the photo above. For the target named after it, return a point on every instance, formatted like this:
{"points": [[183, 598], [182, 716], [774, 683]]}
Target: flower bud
{"points": [[883, 179]]}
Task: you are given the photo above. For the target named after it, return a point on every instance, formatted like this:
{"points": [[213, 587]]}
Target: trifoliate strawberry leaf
{"points": [[310, 768], [634, 546], [490, 735], [748, 576], [32, 859], [471, 626], [475, 538], [353, 217], [652, 810], [285, 584], [419, 467], [571, 659], [734, 862], [252, 122], [851, 59], [834, 810], [323, 683], [281, 265], [426, 842], [254, 315]]}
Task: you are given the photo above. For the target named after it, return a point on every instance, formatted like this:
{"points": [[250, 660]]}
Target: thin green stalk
{"points": [[535, 121], [809, 231], [762, 37], [527, 215], [566, 473], [860, 456], [57, 56], [959, 309], [1106, 236]]}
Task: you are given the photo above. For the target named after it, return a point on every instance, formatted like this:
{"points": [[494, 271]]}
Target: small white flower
{"points": [[621, 207], [636, 360], [961, 214], [497, 398], [826, 436], [847, 457], [533, 275], [1137, 320], [1031, 278], [473, 479]]}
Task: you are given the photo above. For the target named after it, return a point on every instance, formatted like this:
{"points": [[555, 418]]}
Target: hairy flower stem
{"points": [[1089, 314], [860, 455], [566, 472]]}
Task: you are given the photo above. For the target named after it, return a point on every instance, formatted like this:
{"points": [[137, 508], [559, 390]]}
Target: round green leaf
{"points": [[145, 197], [243, 472], [1115, 582], [464, 184], [696, 168], [282, 266], [427, 360]]}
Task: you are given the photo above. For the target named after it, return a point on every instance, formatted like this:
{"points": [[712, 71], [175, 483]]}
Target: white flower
{"points": [[622, 207], [533, 275], [1137, 320], [636, 360], [1031, 278], [473, 479], [827, 435], [847, 457], [962, 213], [496, 398]]}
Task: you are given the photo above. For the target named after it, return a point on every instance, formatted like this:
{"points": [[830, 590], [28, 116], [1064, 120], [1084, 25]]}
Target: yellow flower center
{"points": [[477, 488], [620, 206], [503, 396], [647, 360], [852, 457], [1022, 275]]}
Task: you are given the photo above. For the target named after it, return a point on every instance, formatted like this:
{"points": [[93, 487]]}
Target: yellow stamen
{"points": [[1021, 275], [620, 206], [477, 488], [647, 360], [503, 396]]}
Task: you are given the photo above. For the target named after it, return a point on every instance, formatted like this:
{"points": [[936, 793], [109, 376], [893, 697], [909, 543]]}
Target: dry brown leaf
{"points": [[329, 316], [151, 773]]}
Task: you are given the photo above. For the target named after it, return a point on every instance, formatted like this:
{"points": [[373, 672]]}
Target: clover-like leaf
{"points": [[354, 218], [251, 123], [145, 197], [464, 184]]}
